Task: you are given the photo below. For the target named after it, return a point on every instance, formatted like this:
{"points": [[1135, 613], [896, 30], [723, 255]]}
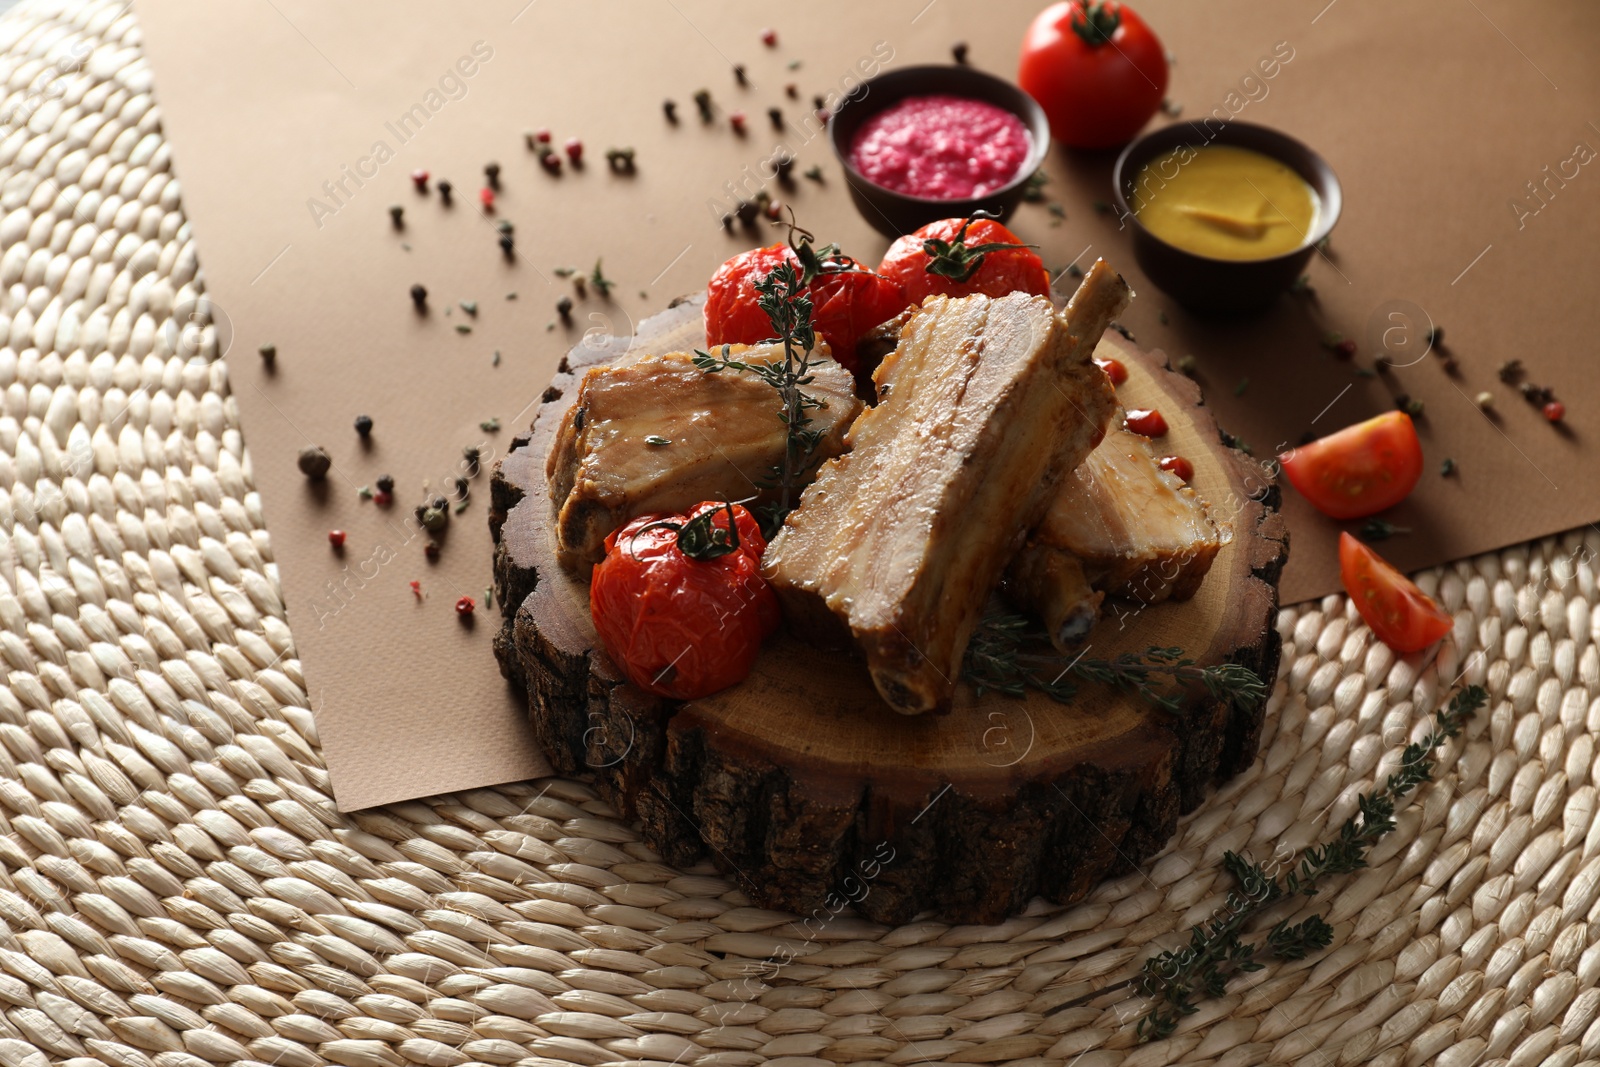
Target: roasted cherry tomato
{"points": [[1096, 69], [1359, 471], [1403, 616], [846, 303], [679, 601], [959, 257]]}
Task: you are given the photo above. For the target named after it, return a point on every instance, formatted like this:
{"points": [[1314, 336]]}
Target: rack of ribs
{"points": [[661, 434], [984, 406]]}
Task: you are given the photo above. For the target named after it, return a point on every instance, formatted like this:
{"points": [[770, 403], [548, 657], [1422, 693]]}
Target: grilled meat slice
{"points": [[1118, 526], [660, 434], [984, 405]]}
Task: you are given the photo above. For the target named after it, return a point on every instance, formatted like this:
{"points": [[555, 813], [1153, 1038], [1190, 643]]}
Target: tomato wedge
{"points": [[1359, 471], [1403, 616]]}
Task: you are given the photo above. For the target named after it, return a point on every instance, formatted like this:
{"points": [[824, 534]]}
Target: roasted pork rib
{"points": [[660, 434], [1118, 525], [984, 406]]}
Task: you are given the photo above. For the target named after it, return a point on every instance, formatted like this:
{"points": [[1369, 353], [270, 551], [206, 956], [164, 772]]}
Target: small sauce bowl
{"points": [[895, 213], [1203, 284]]}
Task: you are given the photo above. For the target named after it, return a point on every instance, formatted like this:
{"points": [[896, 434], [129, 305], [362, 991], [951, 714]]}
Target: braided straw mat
{"points": [[177, 888]]}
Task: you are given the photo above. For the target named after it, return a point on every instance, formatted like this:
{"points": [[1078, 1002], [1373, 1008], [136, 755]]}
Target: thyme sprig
{"points": [[781, 294], [1008, 655], [1217, 950]]}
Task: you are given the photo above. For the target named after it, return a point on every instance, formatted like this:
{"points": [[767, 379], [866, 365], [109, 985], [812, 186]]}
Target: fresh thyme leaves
{"points": [[1008, 655], [601, 283], [781, 294], [1217, 951]]}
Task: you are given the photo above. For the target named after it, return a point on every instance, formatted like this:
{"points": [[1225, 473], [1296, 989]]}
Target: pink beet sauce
{"points": [[941, 147]]}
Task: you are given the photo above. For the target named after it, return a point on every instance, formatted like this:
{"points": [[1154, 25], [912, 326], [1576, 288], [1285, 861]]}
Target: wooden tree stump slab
{"points": [[805, 786]]}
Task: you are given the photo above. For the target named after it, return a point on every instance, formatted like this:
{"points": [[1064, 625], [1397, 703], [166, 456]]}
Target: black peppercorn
{"points": [[314, 462], [364, 425], [782, 164], [491, 172], [747, 212], [776, 115], [463, 488], [507, 243], [818, 103], [471, 455], [958, 51], [564, 308], [702, 100], [397, 214], [738, 74], [385, 483], [445, 189], [419, 296], [670, 109]]}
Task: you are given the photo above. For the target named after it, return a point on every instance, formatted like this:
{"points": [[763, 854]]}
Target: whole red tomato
{"points": [[684, 624], [847, 301], [959, 257], [1096, 69]]}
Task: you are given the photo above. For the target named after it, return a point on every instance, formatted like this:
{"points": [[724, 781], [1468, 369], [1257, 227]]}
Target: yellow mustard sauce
{"points": [[1225, 202]]}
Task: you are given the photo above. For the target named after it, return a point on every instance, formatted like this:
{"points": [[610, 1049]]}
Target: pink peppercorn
{"points": [[419, 178], [574, 149], [465, 605], [336, 538]]}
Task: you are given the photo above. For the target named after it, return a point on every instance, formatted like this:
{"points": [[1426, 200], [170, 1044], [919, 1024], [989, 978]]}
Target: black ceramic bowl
{"points": [[1210, 286], [895, 213]]}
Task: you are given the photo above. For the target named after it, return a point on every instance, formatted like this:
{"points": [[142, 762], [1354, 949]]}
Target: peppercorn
{"points": [[823, 115], [782, 165], [670, 109], [564, 308], [269, 354], [792, 91], [486, 198], [958, 51], [491, 174], [773, 210], [702, 100], [431, 549], [736, 120], [472, 455], [464, 606], [551, 161], [769, 37], [620, 160], [382, 499], [739, 75], [507, 243], [314, 462], [574, 150], [445, 189], [397, 214], [727, 222], [1345, 349], [419, 178], [747, 211], [364, 425], [336, 539], [1555, 411], [434, 516], [419, 296], [1484, 400], [463, 488], [775, 116], [385, 483]]}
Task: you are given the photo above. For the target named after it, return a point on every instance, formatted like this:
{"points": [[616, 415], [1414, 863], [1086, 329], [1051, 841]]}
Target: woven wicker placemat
{"points": [[178, 889]]}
